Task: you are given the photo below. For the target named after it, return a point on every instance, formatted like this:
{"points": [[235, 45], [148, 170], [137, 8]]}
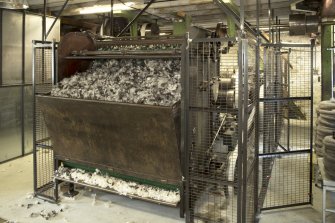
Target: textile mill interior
{"points": [[169, 111]]}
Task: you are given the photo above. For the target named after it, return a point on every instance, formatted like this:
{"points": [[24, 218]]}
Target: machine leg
{"points": [[71, 191], [56, 182], [182, 200], [56, 195], [324, 199]]}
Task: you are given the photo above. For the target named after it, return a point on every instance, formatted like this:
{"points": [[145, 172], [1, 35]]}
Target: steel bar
{"points": [[136, 17], [218, 131], [34, 120], [43, 146], [332, 70], [288, 95], [276, 154], [269, 23], [11, 159], [242, 18], [215, 181], [285, 206], [1, 15], [240, 133], [278, 93], [138, 41], [111, 19], [184, 125], [282, 147], [44, 23], [126, 52], [211, 40], [251, 170], [245, 124], [56, 19], [236, 18], [56, 181], [121, 56], [207, 109], [42, 140], [285, 99], [257, 129], [288, 45], [311, 123], [22, 82]]}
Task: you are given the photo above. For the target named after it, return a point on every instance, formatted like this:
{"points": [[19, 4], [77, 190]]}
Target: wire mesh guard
{"points": [[43, 56], [286, 126], [217, 178]]}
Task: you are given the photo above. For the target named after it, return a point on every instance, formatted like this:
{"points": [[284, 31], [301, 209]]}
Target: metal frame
{"points": [[269, 156], [1, 14], [21, 85], [56, 19], [245, 173], [23, 79], [135, 18], [38, 144]]}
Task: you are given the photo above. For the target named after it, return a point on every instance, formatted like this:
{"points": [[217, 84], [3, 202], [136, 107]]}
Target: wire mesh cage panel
{"points": [[220, 125], [43, 77], [250, 146], [286, 126]]}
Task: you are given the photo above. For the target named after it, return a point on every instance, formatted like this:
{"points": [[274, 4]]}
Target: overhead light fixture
{"points": [[117, 8], [14, 4]]}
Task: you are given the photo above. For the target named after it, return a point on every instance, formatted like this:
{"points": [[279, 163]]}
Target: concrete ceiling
{"points": [[204, 12]]}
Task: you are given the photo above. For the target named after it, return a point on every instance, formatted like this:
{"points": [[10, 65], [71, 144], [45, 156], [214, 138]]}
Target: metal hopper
{"points": [[136, 140]]}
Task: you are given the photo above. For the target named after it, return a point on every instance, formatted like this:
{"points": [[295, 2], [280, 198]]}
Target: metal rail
{"points": [[237, 19], [126, 52], [138, 41], [122, 56], [56, 19]]}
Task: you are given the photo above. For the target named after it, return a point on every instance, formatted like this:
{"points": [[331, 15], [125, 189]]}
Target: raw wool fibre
{"points": [[141, 47], [120, 186], [140, 81]]}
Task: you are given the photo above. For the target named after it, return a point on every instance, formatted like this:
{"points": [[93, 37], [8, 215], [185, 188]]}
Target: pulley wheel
{"points": [[75, 41]]}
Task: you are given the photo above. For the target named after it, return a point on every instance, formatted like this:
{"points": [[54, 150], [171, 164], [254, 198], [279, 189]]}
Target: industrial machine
{"points": [[133, 142], [151, 147]]}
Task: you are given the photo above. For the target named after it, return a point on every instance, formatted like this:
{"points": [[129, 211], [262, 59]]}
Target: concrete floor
{"points": [[17, 204]]}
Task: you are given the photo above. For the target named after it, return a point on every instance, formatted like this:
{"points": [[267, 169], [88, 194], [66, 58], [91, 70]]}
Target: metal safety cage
{"points": [[221, 111], [286, 126], [44, 76]]}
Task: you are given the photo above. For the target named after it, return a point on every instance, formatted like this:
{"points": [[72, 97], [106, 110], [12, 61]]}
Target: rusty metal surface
{"points": [[127, 52], [136, 140], [139, 41], [123, 56], [75, 41]]}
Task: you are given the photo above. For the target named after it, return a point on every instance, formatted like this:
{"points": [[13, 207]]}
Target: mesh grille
{"points": [[286, 126], [215, 125], [43, 153]]}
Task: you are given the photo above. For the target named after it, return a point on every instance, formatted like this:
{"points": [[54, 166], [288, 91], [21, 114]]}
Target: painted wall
{"points": [[16, 34]]}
